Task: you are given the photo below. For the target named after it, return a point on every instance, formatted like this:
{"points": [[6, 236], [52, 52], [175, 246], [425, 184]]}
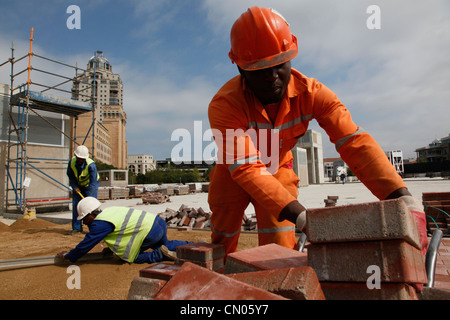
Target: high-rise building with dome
{"points": [[106, 126]]}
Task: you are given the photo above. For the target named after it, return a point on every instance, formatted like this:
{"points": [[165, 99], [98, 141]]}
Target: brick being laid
{"points": [[201, 251], [382, 220], [396, 260]]}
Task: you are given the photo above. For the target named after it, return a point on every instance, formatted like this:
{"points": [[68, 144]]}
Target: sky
{"points": [[389, 66]]}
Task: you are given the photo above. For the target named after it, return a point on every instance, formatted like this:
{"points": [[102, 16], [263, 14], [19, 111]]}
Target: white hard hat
{"points": [[87, 206], [82, 152]]}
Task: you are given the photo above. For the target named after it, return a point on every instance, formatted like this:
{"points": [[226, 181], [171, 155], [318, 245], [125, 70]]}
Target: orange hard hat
{"points": [[261, 38]]}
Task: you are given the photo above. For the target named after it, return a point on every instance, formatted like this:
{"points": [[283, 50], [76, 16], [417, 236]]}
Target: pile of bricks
{"points": [[197, 277], [165, 190], [366, 251], [186, 218], [437, 209], [154, 198]]}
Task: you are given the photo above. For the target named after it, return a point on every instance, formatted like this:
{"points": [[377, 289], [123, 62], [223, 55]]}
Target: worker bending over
{"points": [[84, 180], [127, 232], [259, 115]]}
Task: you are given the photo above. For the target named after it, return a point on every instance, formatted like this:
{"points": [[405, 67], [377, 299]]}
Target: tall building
{"points": [[106, 126]]}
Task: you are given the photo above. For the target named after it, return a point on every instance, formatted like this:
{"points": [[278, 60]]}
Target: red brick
{"points": [[434, 294], [359, 291], [201, 251], [270, 256], [292, 283], [145, 288], [163, 271], [214, 265], [430, 196], [442, 281], [398, 261], [381, 220], [193, 282]]}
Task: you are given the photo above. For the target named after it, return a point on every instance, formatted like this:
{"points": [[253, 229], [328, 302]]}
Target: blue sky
{"points": [[172, 57]]}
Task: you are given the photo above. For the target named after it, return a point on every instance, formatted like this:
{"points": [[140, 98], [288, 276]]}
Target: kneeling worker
{"points": [[127, 232]]}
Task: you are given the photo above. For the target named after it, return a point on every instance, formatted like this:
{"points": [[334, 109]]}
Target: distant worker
{"points": [[264, 111], [127, 232], [343, 177], [84, 180]]}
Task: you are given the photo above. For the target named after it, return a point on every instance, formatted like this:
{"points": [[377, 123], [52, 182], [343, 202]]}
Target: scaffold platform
{"points": [[52, 103]]}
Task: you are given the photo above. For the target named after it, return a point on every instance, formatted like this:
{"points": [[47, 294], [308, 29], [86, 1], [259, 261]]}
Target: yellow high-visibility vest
{"points": [[131, 226], [83, 178]]}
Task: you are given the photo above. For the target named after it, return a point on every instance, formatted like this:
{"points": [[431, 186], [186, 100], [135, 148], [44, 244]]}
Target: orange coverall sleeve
{"points": [[357, 148]]}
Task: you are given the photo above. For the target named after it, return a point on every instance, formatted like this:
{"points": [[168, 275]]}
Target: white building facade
{"points": [[141, 163]]}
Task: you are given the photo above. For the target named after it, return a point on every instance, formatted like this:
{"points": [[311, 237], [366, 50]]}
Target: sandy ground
{"points": [[106, 280]]}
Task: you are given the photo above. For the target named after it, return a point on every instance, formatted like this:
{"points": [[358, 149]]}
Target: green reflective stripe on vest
{"points": [[83, 178], [131, 226]]}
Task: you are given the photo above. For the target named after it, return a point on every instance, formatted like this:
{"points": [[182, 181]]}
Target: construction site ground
{"points": [[111, 279]]}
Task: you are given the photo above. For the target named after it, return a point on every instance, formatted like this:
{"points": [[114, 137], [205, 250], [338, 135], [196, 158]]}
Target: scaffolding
{"points": [[29, 98]]}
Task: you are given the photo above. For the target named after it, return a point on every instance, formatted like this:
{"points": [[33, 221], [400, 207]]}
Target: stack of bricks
{"points": [[283, 276], [437, 209], [136, 191], [366, 251], [154, 198], [118, 193], [165, 190], [181, 190], [103, 193]]}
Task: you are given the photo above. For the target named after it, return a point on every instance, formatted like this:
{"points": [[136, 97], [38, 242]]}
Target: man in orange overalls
{"points": [[257, 118]]}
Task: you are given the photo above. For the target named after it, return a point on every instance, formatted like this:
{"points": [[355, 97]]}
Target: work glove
{"points": [[416, 208], [300, 223]]}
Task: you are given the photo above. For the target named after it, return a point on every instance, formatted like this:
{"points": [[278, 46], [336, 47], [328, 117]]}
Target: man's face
{"points": [[269, 85], [80, 161]]}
